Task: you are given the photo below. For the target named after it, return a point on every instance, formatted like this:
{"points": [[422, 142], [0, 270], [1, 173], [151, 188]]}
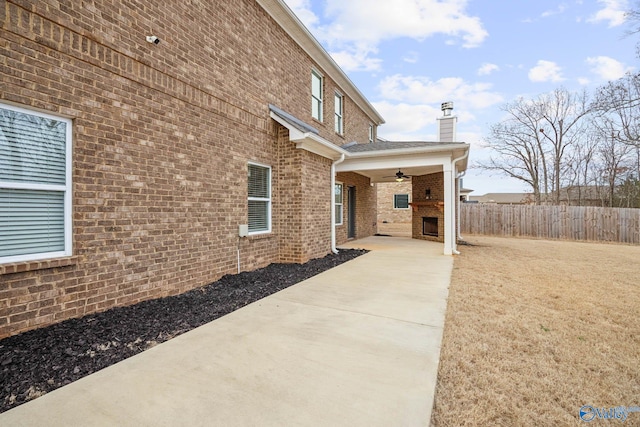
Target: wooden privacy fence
{"points": [[552, 222]]}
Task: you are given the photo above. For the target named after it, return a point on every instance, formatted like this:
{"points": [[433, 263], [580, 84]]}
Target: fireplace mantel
{"points": [[439, 204]]}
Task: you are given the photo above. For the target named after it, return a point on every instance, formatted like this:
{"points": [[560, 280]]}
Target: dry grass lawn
{"points": [[536, 329]]}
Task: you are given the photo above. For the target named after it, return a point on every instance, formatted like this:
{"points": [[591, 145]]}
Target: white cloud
{"points": [[487, 68], [422, 90], [405, 122], [613, 12], [560, 9], [584, 81], [302, 9], [411, 57], [546, 71], [353, 59], [355, 28], [607, 68]]}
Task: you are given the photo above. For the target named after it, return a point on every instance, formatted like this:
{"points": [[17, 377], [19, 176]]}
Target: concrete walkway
{"points": [[357, 345]]}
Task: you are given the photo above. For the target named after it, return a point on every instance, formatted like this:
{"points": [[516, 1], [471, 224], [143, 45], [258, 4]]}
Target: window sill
{"points": [[21, 267], [260, 236]]}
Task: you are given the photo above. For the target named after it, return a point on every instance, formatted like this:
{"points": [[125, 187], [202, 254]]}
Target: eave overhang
{"points": [[310, 141]]}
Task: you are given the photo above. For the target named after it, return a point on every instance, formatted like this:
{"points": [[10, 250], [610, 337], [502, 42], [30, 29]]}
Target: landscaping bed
{"points": [[39, 361]]}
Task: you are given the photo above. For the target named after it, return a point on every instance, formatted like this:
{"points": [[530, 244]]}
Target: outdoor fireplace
{"points": [[430, 226]]}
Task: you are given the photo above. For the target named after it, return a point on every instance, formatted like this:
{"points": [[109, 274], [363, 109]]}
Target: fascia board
{"points": [[310, 141], [372, 163], [320, 146], [412, 150]]}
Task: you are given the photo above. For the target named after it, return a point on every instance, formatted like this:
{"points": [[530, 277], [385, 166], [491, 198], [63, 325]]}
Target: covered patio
{"points": [[434, 169]]}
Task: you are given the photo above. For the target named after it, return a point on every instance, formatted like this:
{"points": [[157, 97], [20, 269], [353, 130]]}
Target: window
{"points": [[35, 185], [400, 201], [371, 133], [259, 190], [338, 116], [338, 201], [316, 96]]}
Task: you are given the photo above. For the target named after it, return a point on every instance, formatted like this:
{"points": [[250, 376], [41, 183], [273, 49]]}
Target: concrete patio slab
{"points": [[357, 345]]}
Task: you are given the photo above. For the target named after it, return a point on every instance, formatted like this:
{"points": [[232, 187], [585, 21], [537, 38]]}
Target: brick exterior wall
{"points": [[161, 139], [434, 182], [366, 200], [386, 211]]}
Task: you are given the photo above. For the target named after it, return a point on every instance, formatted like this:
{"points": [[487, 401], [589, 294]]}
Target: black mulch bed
{"points": [[39, 361]]}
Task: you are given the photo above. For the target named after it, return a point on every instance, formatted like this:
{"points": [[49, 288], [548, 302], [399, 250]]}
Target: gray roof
{"points": [[394, 145], [293, 121]]}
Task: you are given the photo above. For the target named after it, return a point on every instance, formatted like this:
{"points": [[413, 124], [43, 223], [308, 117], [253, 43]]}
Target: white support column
{"points": [[449, 206]]}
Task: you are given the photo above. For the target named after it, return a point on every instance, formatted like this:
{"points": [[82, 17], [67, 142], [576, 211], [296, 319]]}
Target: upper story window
{"points": [[372, 133], [316, 95], [339, 109], [35, 185], [337, 194], [259, 191]]}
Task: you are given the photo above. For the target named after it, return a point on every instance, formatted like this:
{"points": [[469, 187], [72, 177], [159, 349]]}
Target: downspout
{"points": [[453, 167], [460, 175], [333, 203]]}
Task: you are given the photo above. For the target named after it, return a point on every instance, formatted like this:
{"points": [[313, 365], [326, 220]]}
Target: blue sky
{"points": [[409, 56]]}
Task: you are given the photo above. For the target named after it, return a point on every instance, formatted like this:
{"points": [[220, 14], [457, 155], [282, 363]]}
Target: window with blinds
{"points": [[35, 185], [401, 201], [259, 203]]}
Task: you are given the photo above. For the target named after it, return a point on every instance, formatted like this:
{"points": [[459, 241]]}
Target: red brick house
{"points": [[148, 148]]}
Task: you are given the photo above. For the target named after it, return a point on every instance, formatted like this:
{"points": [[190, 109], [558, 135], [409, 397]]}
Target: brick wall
{"points": [[366, 200], [386, 211], [161, 139], [434, 182]]}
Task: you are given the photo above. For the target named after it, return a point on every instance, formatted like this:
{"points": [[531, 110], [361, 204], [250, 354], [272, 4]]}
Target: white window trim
{"points": [[67, 188], [320, 100], [262, 199], [371, 133], [341, 204], [340, 115], [408, 201]]}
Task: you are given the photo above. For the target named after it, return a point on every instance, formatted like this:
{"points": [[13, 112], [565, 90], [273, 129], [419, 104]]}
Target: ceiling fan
{"points": [[399, 176]]}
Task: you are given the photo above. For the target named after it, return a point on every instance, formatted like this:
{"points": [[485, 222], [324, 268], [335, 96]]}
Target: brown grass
{"points": [[536, 329]]}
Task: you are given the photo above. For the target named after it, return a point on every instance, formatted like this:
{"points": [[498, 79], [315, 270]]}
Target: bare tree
{"points": [[617, 107], [534, 141], [580, 169], [516, 144]]}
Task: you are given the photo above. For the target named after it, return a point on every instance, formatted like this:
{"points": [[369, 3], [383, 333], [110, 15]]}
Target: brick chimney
{"points": [[447, 123]]}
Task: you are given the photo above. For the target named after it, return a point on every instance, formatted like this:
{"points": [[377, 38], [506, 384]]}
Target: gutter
{"points": [[333, 203]]}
